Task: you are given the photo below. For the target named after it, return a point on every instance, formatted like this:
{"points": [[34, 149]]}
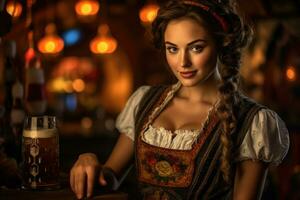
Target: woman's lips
{"points": [[188, 75]]}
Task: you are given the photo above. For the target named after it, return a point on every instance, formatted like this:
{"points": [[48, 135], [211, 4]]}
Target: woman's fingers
{"points": [[80, 181], [82, 175], [102, 180], [72, 180], [91, 173]]}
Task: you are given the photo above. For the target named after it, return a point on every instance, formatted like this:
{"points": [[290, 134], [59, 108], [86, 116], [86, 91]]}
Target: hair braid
{"points": [[229, 57]]}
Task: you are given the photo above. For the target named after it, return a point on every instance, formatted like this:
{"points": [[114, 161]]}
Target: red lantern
{"points": [[87, 7], [148, 13], [51, 43], [103, 43], [14, 8]]}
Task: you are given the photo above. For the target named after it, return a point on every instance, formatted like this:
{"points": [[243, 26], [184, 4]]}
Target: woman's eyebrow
{"points": [[195, 41], [170, 43], [190, 43]]}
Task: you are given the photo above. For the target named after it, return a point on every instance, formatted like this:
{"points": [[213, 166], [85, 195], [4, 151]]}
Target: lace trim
{"points": [[176, 132]]}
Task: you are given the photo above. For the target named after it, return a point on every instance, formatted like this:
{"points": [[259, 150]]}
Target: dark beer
{"points": [[40, 159]]}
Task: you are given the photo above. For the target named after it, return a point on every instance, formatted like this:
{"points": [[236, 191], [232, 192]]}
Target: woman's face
{"points": [[190, 51]]}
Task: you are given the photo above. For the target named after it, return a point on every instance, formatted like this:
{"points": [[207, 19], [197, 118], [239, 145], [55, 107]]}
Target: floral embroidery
{"points": [[164, 168]]}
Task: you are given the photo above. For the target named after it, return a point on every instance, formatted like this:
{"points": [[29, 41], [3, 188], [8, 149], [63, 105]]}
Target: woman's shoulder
{"points": [[269, 123], [126, 118], [145, 88], [140, 90], [266, 137], [144, 91], [125, 121]]}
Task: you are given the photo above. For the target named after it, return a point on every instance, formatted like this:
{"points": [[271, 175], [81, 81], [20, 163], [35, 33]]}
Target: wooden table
{"points": [[62, 194], [65, 193]]}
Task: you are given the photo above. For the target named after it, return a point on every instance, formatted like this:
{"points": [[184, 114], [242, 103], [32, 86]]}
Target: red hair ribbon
{"points": [[217, 17]]}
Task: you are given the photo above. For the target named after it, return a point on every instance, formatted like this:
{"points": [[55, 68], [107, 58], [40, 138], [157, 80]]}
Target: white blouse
{"points": [[267, 138]]}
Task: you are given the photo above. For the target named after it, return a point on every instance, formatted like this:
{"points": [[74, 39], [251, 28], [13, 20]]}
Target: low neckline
{"points": [[157, 111], [195, 133], [210, 111]]}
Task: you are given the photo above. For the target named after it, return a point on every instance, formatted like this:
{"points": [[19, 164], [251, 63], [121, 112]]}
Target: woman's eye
{"points": [[197, 48], [171, 49]]}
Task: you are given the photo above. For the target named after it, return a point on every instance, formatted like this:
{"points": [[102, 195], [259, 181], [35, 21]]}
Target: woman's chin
{"points": [[191, 82], [188, 83]]}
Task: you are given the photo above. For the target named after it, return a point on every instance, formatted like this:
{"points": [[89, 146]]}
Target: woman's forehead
{"points": [[185, 29]]}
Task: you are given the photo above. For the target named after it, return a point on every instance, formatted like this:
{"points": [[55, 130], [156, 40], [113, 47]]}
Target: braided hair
{"points": [[230, 39]]}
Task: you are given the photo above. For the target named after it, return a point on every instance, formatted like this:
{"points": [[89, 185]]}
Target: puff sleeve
{"points": [[267, 139], [126, 119]]}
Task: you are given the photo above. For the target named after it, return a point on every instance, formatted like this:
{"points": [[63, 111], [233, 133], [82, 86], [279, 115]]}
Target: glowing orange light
{"points": [[29, 54], [291, 73], [78, 85], [102, 46], [86, 123], [148, 13], [14, 8], [57, 85], [87, 7], [51, 43], [68, 87], [103, 43]]}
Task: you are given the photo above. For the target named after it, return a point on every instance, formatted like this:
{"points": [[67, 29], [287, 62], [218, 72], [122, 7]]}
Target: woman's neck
{"points": [[206, 91]]}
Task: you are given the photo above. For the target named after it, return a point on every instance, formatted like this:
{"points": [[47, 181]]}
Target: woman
{"points": [[200, 138]]}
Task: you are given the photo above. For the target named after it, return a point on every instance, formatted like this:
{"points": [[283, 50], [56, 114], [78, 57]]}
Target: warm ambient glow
{"points": [[14, 8], [68, 87], [87, 7], [51, 43], [103, 43], [148, 13], [78, 85], [291, 73], [29, 54], [86, 123], [62, 85], [32, 58], [57, 85]]}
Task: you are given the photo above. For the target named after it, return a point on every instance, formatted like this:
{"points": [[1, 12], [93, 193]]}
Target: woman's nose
{"points": [[185, 59]]}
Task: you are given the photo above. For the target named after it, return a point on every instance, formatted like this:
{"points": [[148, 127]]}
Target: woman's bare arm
{"points": [[249, 180], [121, 154]]}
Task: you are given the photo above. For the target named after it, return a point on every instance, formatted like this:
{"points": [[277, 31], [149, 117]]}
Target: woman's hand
{"points": [[84, 173], [86, 170]]}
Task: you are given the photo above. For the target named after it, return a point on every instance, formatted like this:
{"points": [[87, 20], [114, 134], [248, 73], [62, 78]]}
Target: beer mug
{"points": [[40, 153]]}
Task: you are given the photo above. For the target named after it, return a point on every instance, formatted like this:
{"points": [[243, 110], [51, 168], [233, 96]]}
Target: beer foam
{"points": [[40, 133]]}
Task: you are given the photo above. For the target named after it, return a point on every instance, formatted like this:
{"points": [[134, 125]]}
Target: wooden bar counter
{"points": [[62, 194]]}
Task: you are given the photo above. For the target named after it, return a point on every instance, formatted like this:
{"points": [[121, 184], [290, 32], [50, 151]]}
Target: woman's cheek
{"points": [[172, 63]]}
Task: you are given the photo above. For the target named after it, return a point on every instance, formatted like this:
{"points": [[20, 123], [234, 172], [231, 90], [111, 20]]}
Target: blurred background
{"points": [[80, 60]]}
